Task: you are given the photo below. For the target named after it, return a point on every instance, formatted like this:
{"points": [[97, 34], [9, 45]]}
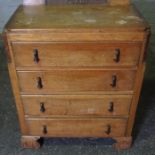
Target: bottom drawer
{"points": [[76, 127]]}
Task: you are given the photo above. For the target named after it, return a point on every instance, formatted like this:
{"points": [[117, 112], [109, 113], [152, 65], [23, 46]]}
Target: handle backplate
{"points": [[42, 107], [117, 55], [111, 107], [39, 83], [114, 81], [36, 56], [44, 129], [108, 129]]}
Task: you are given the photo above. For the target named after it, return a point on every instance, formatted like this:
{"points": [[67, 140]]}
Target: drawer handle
{"points": [[111, 107], [42, 107], [108, 129], [44, 129], [39, 83], [36, 56], [117, 55], [114, 81]]}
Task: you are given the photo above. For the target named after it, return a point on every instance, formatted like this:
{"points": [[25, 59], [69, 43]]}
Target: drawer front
{"points": [[101, 105], [98, 127], [76, 54], [63, 81]]}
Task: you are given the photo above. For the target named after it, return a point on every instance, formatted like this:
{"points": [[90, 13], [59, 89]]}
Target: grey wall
{"points": [[7, 7]]}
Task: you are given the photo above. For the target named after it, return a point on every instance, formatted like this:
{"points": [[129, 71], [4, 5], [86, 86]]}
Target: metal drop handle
{"points": [[108, 129], [111, 107], [44, 129], [117, 55], [39, 83], [114, 81], [42, 107], [36, 56]]}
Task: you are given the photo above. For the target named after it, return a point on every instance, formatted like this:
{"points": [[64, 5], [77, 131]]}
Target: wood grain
{"points": [[70, 54], [68, 93], [61, 81], [30, 142], [80, 36], [138, 85], [76, 16], [119, 2], [122, 143], [15, 87], [82, 127], [76, 105]]}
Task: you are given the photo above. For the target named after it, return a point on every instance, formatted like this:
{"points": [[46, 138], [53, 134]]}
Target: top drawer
{"points": [[50, 54]]}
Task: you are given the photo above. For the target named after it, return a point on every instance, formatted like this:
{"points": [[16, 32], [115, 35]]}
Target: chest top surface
{"points": [[76, 16]]}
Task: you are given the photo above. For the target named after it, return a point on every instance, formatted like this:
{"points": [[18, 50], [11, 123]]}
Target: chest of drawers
{"points": [[76, 70]]}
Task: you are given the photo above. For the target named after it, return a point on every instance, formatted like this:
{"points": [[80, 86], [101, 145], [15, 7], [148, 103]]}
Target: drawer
{"points": [[63, 81], [77, 127], [76, 54], [100, 105]]}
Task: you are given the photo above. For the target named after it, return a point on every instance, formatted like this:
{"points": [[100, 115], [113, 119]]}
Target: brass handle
{"points": [[44, 129], [108, 129], [114, 81], [42, 107], [39, 83], [117, 55], [111, 107], [36, 56]]}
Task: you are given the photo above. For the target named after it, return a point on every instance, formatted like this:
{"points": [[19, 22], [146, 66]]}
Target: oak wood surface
{"points": [[122, 143], [70, 54], [138, 85], [81, 127], [79, 16], [76, 77], [61, 81], [74, 105], [119, 2], [15, 87], [83, 35], [30, 142]]}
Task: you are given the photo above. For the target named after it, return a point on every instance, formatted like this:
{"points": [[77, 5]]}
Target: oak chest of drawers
{"points": [[76, 70]]}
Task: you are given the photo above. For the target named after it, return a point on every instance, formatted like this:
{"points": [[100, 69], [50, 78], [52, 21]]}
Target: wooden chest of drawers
{"points": [[76, 70]]}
